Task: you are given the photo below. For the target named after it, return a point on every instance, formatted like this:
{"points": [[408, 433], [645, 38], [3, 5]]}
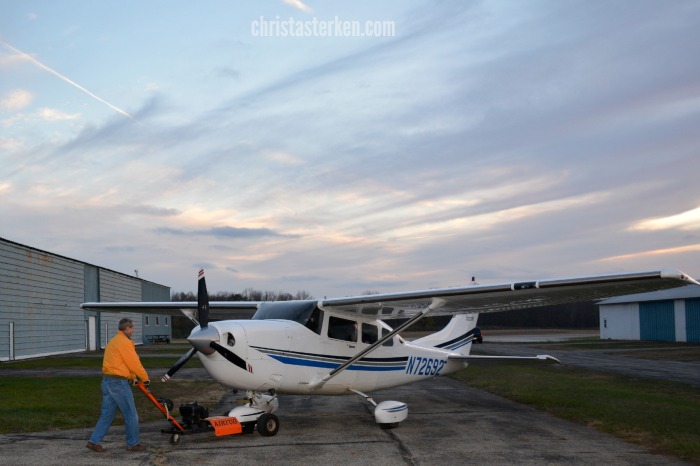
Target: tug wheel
{"points": [[175, 439], [268, 425]]}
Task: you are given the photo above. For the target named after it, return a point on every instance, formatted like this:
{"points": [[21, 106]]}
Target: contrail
{"points": [[69, 81]]}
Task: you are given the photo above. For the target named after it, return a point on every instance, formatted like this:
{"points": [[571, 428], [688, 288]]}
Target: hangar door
{"points": [[692, 320], [657, 321]]}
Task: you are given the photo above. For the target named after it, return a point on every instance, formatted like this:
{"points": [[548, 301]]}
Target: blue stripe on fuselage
{"points": [[328, 365]]}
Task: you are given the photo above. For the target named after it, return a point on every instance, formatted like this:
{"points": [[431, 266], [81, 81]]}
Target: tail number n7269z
{"points": [[418, 365]]}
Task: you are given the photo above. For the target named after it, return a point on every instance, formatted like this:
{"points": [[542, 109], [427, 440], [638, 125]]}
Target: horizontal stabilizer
{"points": [[479, 360]]}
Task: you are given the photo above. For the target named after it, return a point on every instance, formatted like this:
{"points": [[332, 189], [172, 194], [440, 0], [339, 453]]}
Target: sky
{"points": [[339, 148]]}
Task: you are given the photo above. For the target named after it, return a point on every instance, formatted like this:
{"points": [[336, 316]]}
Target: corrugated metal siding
{"points": [[118, 287], [92, 284], [692, 320], [41, 293], [154, 324], [154, 292], [657, 321]]}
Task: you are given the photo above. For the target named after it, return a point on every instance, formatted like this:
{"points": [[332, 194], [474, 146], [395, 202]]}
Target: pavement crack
{"points": [[406, 454]]}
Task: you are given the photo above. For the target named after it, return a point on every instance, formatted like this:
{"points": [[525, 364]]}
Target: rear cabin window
{"points": [[342, 329], [369, 333]]}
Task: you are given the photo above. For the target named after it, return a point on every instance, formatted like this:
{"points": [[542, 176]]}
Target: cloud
{"points": [[689, 220], [149, 210], [52, 114], [16, 100], [657, 252], [11, 144], [285, 158], [224, 232], [299, 5]]}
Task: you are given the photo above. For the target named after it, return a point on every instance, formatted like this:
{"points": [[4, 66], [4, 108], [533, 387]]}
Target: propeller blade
{"points": [[229, 355], [202, 300], [180, 362]]}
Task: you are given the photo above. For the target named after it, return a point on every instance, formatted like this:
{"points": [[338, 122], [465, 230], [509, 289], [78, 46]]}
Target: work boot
{"points": [[93, 447], [138, 447]]}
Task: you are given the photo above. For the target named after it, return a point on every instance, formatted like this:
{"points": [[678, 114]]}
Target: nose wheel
{"points": [[268, 425]]}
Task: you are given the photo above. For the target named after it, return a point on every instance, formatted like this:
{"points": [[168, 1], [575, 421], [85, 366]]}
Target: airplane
{"points": [[342, 345]]}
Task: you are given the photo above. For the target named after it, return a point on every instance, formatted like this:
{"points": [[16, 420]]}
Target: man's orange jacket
{"points": [[121, 359]]}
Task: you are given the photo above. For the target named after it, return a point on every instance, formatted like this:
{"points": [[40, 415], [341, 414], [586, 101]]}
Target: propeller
{"points": [[204, 340], [202, 300], [180, 362], [229, 355]]}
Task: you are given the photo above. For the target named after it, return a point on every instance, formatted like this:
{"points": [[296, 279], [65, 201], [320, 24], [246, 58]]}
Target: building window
{"points": [[166, 321], [157, 321], [146, 321]]}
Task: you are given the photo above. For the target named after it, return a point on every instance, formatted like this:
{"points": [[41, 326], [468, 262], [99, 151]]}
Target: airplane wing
{"points": [[217, 309], [507, 296], [444, 301]]}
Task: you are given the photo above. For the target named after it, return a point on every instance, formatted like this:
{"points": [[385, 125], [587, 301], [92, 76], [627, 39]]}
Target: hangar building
{"points": [[668, 315], [40, 297]]}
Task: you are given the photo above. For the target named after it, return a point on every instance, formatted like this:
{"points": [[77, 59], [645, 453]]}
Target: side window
{"points": [[369, 333], [390, 341], [146, 319], [342, 329]]}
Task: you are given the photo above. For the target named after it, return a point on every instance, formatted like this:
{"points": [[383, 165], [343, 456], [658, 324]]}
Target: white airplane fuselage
{"points": [[287, 357]]}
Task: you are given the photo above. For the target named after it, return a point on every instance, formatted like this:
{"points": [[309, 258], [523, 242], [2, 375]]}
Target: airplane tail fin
{"points": [[457, 336]]}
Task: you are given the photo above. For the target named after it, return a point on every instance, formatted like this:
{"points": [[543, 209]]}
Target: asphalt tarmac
{"points": [[608, 360], [449, 423]]}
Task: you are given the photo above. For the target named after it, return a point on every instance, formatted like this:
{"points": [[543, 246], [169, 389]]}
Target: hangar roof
{"points": [[682, 292]]}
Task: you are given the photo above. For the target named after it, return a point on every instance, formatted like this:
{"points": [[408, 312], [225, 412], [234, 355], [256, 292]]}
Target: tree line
{"points": [[182, 326], [249, 294]]}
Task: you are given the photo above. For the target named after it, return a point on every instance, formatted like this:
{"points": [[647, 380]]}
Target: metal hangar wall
{"points": [[668, 315], [40, 297]]}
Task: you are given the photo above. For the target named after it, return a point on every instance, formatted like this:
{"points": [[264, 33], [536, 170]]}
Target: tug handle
{"points": [[162, 408]]}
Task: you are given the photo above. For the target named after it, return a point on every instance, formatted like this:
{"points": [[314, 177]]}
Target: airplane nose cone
{"points": [[202, 338]]}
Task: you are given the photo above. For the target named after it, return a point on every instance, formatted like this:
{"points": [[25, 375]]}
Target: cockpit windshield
{"points": [[297, 311]]}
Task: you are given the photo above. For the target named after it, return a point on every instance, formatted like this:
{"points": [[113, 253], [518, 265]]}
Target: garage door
{"points": [[692, 320], [656, 321]]}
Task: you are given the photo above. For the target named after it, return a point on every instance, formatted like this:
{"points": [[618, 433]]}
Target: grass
{"points": [[33, 404], [94, 362], [661, 416]]}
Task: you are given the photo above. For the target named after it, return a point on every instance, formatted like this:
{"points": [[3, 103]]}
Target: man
{"points": [[120, 367]]}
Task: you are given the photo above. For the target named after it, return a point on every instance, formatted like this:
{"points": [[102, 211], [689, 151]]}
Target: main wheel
{"points": [[268, 425]]}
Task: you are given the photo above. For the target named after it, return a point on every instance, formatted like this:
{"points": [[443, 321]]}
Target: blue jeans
{"points": [[117, 394]]}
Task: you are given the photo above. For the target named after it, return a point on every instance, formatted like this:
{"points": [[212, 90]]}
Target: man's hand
{"points": [[147, 384]]}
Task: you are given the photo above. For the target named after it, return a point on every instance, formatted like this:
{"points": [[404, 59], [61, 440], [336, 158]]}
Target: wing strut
{"points": [[436, 303]]}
